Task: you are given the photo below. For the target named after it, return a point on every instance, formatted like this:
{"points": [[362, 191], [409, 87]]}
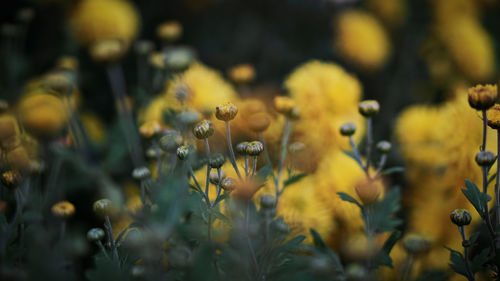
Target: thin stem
{"points": [[191, 173], [111, 238], [357, 156], [254, 168], [466, 254], [249, 242], [381, 165], [209, 227], [369, 143], [287, 129], [207, 183], [63, 229], [246, 166], [408, 267], [497, 183], [485, 126], [101, 246], [486, 212], [231, 151], [219, 176]]}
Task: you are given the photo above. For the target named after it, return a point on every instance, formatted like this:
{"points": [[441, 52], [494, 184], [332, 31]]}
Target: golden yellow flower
{"points": [[494, 117], [169, 31], [43, 114], [362, 40], [368, 191], [8, 128], [63, 209], [284, 105], [67, 63], [482, 97], [242, 73], [95, 20], [391, 12], [107, 50]]}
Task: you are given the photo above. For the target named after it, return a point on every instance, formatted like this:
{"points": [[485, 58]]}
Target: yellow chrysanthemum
{"points": [[95, 20], [391, 12], [470, 46], [328, 97], [43, 114], [362, 40]]}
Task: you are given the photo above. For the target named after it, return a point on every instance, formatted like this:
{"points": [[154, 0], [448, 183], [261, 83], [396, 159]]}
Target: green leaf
{"points": [[381, 214], [348, 198], [318, 241], [392, 170], [479, 260], [383, 256], [293, 179], [264, 172], [475, 197], [457, 262], [350, 154]]}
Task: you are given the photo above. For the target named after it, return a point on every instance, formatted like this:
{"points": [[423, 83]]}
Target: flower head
{"points": [[169, 31], [482, 97], [63, 209], [226, 111], [241, 74], [494, 117]]}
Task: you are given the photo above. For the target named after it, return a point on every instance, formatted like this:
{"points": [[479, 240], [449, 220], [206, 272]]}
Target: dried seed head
{"points": [[241, 148], [216, 160], [203, 129], [284, 105], [369, 108], [228, 184], [259, 122], [254, 148], [368, 191], [416, 244], [182, 152], [11, 179], [460, 217], [348, 129], [169, 31], [141, 173], [108, 50], [95, 234], [485, 158], [63, 209], [482, 97], [267, 201], [384, 147], [104, 207], [226, 112], [494, 117]]}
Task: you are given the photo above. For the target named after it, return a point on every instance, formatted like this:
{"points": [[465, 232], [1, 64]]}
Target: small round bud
{"points": [[103, 207], [182, 152], [284, 105], [138, 271], [189, 118], [384, 147], [228, 184], [170, 141], [178, 58], [466, 244], [58, 82], [63, 209], [214, 177], [416, 244], [348, 129], [369, 108], [216, 160], [95, 234], [482, 97], [368, 191], [144, 47], [141, 173], [494, 117], [11, 178], [485, 158], [267, 201], [241, 148], [169, 31], [226, 112], [259, 122], [460, 217], [108, 50], [281, 226], [203, 129], [242, 74], [254, 148]]}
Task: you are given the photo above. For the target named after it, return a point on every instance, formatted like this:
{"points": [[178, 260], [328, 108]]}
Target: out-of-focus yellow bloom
{"points": [[43, 114], [93, 127], [242, 73], [132, 205], [328, 97], [450, 10], [95, 20], [470, 46], [362, 40], [9, 130], [391, 12], [63, 209], [169, 31], [18, 159]]}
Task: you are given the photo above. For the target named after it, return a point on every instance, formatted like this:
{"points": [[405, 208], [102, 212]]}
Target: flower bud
{"points": [[108, 50], [245, 189], [259, 122], [216, 160], [416, 244], [254, 148], [170, 141], [203, 129], [228, 184], [284, 105], [369, 108], [241, 148], [368, 191], [182, 152], [11, 178], [384, 147], [226, 112], [58, 82], [267, 201], [348, 129], [485, 158], [141, 173], [169, 31], [214, 177], [103, 207], [189, 117], [494, 117], [95, 234], [242, 74], [482, 97], [460, 217], [178, 58], [63, 209]]}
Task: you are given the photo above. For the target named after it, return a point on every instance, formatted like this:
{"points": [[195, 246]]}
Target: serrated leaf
{"points": [[293, 179], [293, 243], [348, 198], [457, 262], [383, 256], [264, 172], [392, 170], [318, 241], [475, 197], [381, 214], [479, 260]]}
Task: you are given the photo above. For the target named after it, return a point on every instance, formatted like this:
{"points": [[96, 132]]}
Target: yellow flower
{"points": [[362, 40], [95, 20], [242, 73], [43, 114], [63, 209], [169, 31], [470, 46], [482, 97], [494, 117], [449, 10], [391, 12], [327, 96]]}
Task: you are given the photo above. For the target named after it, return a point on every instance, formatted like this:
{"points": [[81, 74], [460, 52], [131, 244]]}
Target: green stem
{"points": [[369, 143], [231, 151], [466, 254], [287, 129], [207, 183], [497, 183], [254, 168]]}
